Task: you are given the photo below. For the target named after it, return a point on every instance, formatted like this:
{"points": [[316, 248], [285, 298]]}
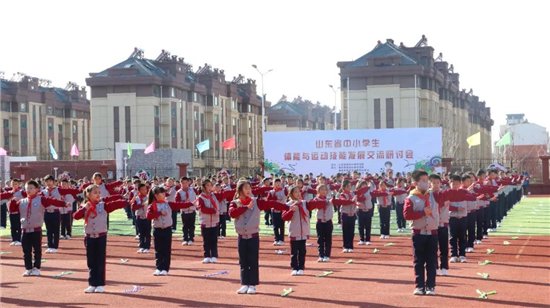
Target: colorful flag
{"points": [[203, 146], [74, 150], [129, 150], [150, 148], [474, 139], [52, 151], [3, 152], [505, 140], [229, 144]]}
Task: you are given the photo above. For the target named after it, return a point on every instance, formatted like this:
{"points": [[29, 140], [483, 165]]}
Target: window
{"points": [[215, 99], [249, 108], [73, 113], [249, 123], [194, 97], [157, 111], [216, 119], [23, 107], [233, 121], [50, 126], [377, 121], [233, 104], [116, 123], [49, 110], [128, 123], [6, 123], [74, 128], [172, 92], [389, 113], [174, 132]]}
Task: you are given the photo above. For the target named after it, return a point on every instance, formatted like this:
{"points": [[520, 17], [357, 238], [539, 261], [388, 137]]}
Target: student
{"points": [[15, 195], [399, 193], [364, 211], [209, 216], [170, 187], [471, 207], [324, 225], [67, 213], [299, 229], [458, 220], [487, 192], [143, 225], [160, 212], [94, 212], [52, 217], [188, 215], [383, 197], [279, 193], [32, 210], [223, 212], [443, 229], [348, 216], [422, 208], [245, 209]]}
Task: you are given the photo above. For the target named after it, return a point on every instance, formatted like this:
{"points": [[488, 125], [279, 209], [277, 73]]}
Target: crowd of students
{"points": [[459, 210]]}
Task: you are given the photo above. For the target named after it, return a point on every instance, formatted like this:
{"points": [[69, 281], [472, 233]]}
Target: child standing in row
{"points": [[143, 225], [298, 228], [364, 211], [188, 215], [422, 209], [278, 194], [399, 193], [32, 210], [209, 215], [246, 210], [95, 213], [160, 212], [348, 216], [383, 199]]}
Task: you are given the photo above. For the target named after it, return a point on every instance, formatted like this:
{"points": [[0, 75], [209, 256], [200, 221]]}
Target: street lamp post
{"points": [[262, 74], [334, 90]]}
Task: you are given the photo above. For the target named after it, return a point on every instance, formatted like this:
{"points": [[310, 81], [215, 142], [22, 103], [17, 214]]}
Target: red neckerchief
{"points": [[29, 205], [154, 207], [277, 189], [303, 214], [91, 210], [211, 199], [245, 201], [385, 197], [140, 196]]}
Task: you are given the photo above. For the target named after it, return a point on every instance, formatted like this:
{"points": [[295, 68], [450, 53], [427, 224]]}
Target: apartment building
{"points": [[164, 100], [32, 113], [300, 114], [395, 86]]}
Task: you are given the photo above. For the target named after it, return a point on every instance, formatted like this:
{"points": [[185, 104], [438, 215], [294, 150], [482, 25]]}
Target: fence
{"points": [[532, 165]]}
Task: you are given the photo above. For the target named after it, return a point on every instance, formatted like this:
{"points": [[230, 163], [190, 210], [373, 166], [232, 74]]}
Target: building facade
{"points": [[528, 141], [394, 86], [141, 100], [32, 113], [300, 114]]}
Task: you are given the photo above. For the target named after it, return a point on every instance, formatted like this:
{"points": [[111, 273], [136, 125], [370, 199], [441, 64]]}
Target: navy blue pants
{"points": [[443, 236], [144, 228], [32, 242], [96, 252], [298, 254], [249, 251], [15, 227], [458, 241], [278, 226], [364, 219], [210, 241], [163, 248], [472, 219], [348, 230], [324, 238], [425, 260], [188, 226], [53, 226], [384, 213]]}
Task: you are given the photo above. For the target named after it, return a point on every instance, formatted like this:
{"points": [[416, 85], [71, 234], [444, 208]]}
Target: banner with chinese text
{"points": [[329, 152]]}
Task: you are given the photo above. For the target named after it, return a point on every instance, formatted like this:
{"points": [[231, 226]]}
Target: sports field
{"points": [[514, 262]]}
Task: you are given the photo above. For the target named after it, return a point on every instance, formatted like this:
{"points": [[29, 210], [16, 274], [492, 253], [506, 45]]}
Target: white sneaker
{"points": [[281, 243], [361, 243], [213, 260], [321, 259], [137, 237], [477, 242], [163, 273], [300, 273], [17, 243], [445, 272], [12, 243], [382, 237], [184, 243], [418, 291], [294, 273], [430, 291], [275, 243], [242, 290], [485, 237], [221, 237], [48, 250], [140, 250], [156, 272], [350, 250], [145, 251], [470, 249], [190, 243], [462, 259], [27, 273], [345, 250], [99, 289], [35, 272], [206, 260], [89, 289], [439, 272], [453, 259], [251, 290], [367, 243], [386, 236], [326, 259], [68, 237]]}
